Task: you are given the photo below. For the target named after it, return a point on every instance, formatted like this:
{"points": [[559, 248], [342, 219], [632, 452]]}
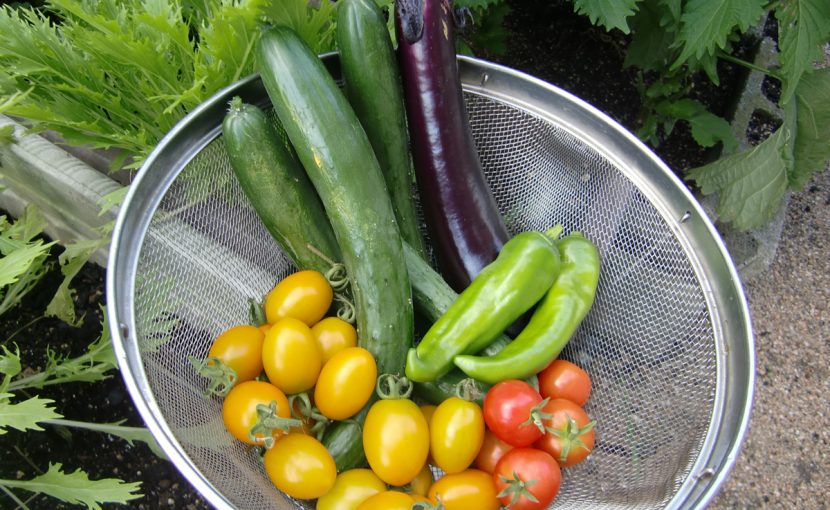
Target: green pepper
{"points": [[524, 270], [553, 321]]}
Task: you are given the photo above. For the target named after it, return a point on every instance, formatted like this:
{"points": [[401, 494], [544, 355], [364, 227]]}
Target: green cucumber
{"points": [[339, 160], [373, 87], [276, 184]]}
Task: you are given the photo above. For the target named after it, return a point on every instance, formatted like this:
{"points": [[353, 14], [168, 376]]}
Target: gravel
{"points": [[785, 461]]}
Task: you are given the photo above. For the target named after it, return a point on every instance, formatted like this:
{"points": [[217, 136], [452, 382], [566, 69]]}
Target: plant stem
{"points": [[95, 427], [749, 65], [14, 498]]}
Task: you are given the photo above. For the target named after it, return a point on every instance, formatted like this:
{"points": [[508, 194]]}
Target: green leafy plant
{"points": [[23, 264], [24, 255], [119, 74], [672, 41]]}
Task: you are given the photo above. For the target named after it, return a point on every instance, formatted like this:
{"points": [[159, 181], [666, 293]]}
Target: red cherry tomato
{"points": [[510, 411], [563, 379], [570, 436], [492, 450], [524, 475]]}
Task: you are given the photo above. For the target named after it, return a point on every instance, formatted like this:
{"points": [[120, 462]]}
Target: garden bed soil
{"points": [[547, 40]]}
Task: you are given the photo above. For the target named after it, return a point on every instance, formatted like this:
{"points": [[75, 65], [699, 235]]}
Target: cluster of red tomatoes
{"points": [[506, 452]]}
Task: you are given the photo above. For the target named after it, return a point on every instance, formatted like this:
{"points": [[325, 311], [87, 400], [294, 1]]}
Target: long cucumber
{"points": [[373, 87], [339, 160]]}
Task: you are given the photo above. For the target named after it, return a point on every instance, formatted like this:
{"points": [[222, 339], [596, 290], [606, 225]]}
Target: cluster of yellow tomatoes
{"points": [[507, 451]]}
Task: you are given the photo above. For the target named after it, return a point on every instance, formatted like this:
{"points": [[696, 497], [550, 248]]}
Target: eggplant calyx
{"points": [[411, 15]]}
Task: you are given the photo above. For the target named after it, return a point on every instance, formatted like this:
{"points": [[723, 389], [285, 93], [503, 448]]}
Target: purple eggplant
{"points": [[462, 216]]}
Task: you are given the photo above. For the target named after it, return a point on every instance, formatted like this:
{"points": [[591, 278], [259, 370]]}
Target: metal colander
{"points": [[668, 342]]}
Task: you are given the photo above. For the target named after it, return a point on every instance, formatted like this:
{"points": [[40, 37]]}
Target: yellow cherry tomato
{"points": [[420, 484], [240, 348], [346, 383], [333, 335], [304, 295], [351, 488], [300, 466], [466, 490], [396, 440], [388, 500], [456, 433], [239, 409], [291, 357], [428, 410]]}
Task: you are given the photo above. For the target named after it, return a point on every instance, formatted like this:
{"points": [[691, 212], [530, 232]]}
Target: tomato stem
{"points": [[397, 387], [256, 312], [269, 421], [469, 389], [517, 488], [537, 417], [571, 436], [308, 413], [220, 376]]}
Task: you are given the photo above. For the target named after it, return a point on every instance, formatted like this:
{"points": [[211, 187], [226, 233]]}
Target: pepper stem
{"points": [[555, 232]]}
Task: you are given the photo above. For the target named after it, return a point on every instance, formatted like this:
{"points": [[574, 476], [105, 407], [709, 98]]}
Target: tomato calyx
{"points": [[517, 488], [303, 410], [571, 436], [427, 505], [470, 390], [537, 416], [397, 387], [256, 311], [268, 421], [220, 376]]}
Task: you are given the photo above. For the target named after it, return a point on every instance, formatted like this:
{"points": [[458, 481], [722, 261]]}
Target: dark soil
{"points": [[547, 40]]}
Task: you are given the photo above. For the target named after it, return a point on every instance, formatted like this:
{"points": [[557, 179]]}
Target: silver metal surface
{"points": [[668, 342]]}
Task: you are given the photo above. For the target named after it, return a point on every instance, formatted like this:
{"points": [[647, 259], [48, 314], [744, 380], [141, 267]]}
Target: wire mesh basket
{"points": [[668, 342]]}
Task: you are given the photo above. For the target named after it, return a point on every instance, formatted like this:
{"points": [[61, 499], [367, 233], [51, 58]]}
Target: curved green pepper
{"points": [[553, 322], [506, 288]]}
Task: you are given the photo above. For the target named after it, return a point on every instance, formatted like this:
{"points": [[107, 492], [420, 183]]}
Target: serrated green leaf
{"points": [[707, 128], [706, 25], [314, 25], [651, 36], [803, 28], [112, 199], [7, 134], [71, 261], [610, 14], [751, 184], [25, 415], [489, 32], [226, 50], [9, 363], [811, 148], [76, 488]]}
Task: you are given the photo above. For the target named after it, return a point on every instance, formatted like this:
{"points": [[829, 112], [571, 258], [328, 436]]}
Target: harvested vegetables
{"points": [[346, 427]]}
